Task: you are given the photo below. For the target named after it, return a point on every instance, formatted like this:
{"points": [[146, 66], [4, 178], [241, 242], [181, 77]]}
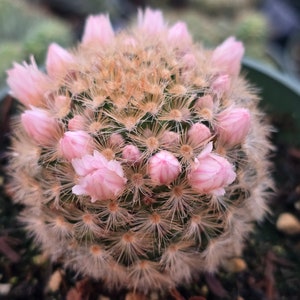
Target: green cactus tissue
{"points": [[141, 158]]}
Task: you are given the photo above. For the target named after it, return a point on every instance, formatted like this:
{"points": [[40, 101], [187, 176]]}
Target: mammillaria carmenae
{"points": [[140, 157]]}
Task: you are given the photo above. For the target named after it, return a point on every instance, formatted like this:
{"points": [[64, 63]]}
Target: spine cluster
{"points": [[140, 157]]}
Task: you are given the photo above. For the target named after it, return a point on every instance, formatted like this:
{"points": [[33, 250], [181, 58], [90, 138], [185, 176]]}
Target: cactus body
{"points": [[140, 157]]}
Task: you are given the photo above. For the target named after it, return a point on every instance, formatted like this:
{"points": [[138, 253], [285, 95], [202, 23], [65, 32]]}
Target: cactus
{"points": [[140, 157]]}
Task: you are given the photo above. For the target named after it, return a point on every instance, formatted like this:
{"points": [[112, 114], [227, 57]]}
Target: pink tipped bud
{"points": [[40, 126], [227, 56], [116, 139], [163, 167], [179, 36], [151, 21], [98, 178], [58, 60], [189, 61], [76, 123], [27, 83], [221, 84], [198, 133], [211, 173], [98, 30], [170, 138], [233, 126], [205, 102], [131, 153], [75, 144]]}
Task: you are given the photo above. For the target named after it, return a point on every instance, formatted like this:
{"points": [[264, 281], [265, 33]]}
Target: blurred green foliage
{"points": [[26, 31], [212, 21]]}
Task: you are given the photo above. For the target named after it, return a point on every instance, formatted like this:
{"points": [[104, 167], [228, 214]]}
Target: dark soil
{"points": [[272, 258]]}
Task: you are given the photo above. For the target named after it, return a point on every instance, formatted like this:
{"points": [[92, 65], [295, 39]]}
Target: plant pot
{"points": [[280, 99]]}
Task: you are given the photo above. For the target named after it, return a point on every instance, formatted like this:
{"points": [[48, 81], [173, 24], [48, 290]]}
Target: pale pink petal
{"points": [[163, 167], [28, 84], [75, 144], [151, 21], [210, 174], [207, 149], [84, 167], [98, 30], [98, 178], [233, 125], [227, 56], [198, 133], [178, 36], [40, 126], [58, 61]]}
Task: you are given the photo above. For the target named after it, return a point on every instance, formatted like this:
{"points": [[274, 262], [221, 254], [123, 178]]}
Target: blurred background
{"points": [[270, 29]]}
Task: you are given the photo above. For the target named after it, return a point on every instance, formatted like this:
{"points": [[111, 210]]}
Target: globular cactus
{"points": [[140, 157]]}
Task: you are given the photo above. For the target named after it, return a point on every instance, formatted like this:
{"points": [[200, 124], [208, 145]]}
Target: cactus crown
{"points": [[140, 157]]}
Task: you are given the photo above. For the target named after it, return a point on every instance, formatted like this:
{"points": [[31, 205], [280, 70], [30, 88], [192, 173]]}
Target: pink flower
{"points": [[27, 83], [151, 21], [198, 133], [76, 123], [58, 61], [233, 125], [179, 36], [98, 30], [131, 153], [211, 173], [75, 144], [163, 167], [40, 126], [98, 178], [227, 56]]}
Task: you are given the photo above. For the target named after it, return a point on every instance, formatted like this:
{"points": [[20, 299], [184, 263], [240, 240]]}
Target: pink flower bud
{"points": [[205, 102], [189, 61], [233, 125], [227, 56], [75, 144], [211, 173], [221, 84], [98, 30], [198, 133], [131, 153], [27, 83], [76, 123], [116, 139], [170, 138], [40, 126], [98, 178], [58, 60], [179, 36], [151, 21], [163, 167]]}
